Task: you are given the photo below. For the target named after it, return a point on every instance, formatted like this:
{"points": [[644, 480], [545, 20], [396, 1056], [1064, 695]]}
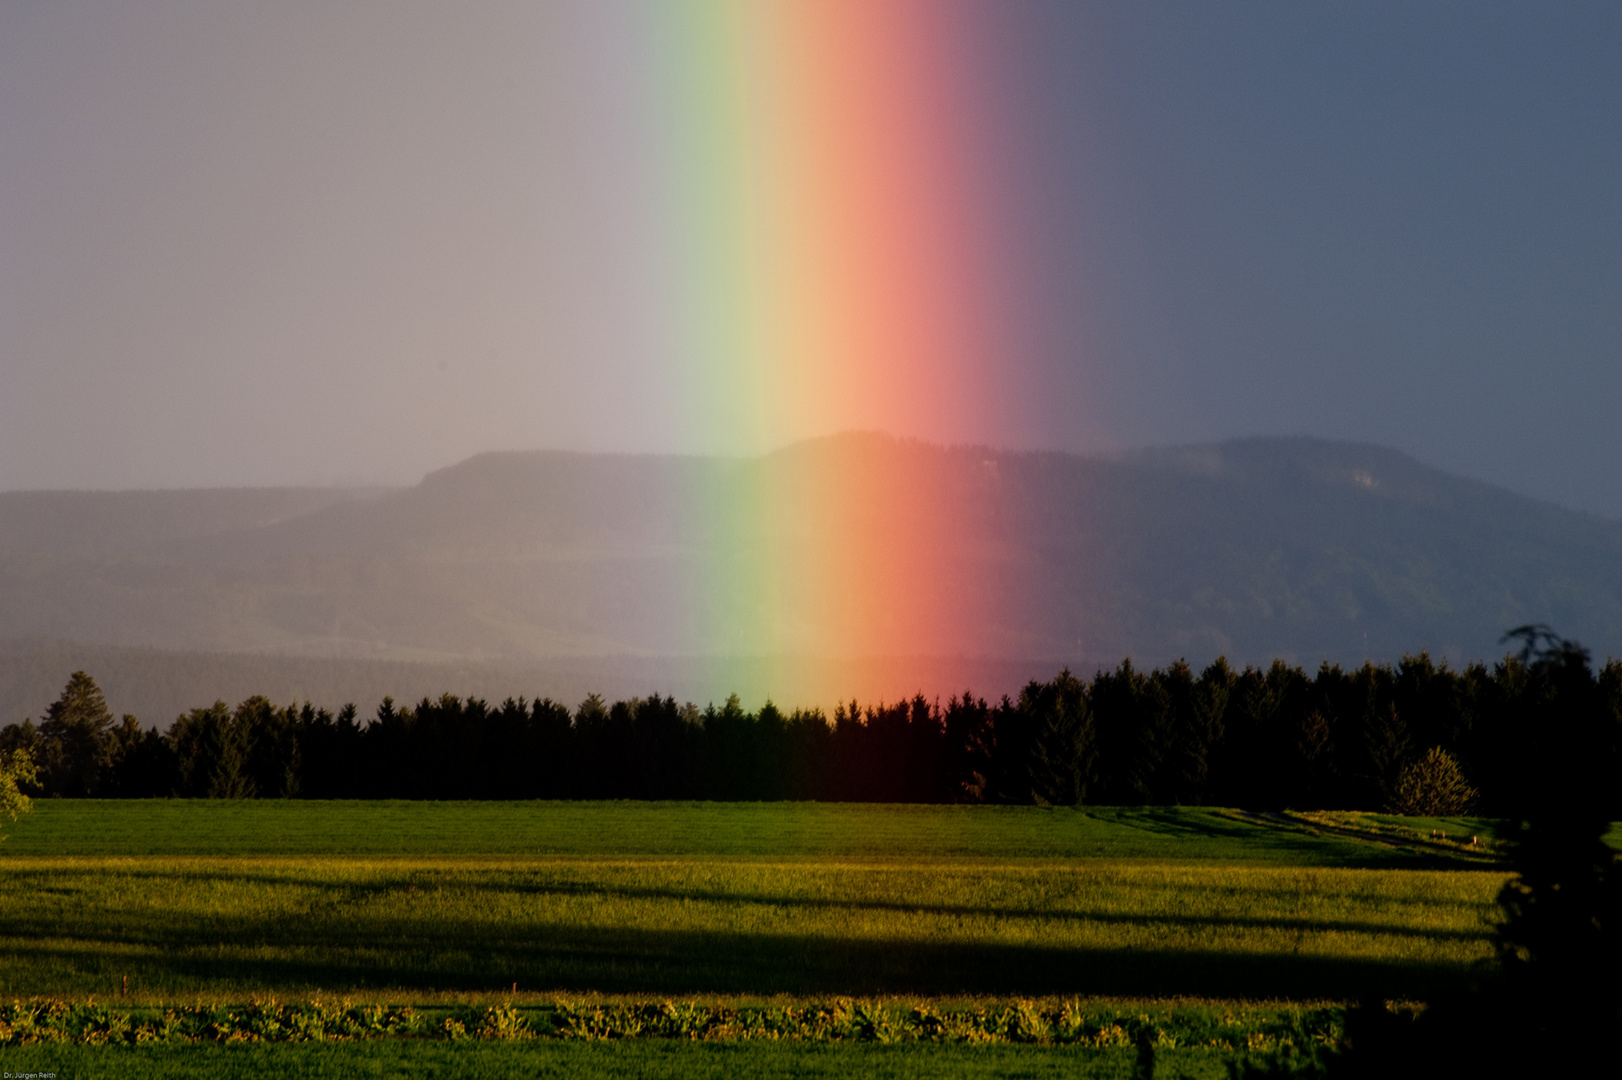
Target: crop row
{"points": [[1071, 1023]]}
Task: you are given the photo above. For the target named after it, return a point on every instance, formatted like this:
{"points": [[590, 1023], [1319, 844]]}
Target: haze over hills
{"points": [[571, 567]]}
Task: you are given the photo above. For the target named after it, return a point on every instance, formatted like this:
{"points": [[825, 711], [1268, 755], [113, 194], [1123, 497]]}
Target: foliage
{"points": [[840, 1037], [1054, 1022], [16, 772], [47, 1020], [1433, 786]]}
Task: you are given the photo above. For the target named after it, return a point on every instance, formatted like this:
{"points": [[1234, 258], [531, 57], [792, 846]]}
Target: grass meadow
{"points": [[190, 927], [527, 904], [221, 827]]}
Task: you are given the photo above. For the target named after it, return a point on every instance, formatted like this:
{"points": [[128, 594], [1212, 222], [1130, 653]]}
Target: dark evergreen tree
{"points": [[1061, 743], [210, 755], [330, 753], [145, 767], [971, 754], [268, 738], [552, 765], [76, 742], [1200, 732]]}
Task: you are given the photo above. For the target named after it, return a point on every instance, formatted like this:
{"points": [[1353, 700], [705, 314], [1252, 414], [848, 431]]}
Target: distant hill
{"points": [[1257, 548], [158, 684]]}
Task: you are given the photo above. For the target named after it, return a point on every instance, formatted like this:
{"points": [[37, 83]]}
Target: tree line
{"points": [[1415, 737]]}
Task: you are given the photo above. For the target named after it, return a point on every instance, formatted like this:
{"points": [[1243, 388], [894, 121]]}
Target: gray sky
{"points": [[314, 243]]}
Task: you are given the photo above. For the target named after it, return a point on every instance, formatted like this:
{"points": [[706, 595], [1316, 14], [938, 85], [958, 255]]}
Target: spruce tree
{"points": [[76, 737]]}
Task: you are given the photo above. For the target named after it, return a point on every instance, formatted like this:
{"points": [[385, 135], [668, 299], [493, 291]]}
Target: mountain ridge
{"points": [[1295, 547]]}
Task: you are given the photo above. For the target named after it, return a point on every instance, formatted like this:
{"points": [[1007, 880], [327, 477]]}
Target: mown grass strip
{"points": [[668, 830]]}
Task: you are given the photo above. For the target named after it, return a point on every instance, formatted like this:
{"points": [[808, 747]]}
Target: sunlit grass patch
{"points": [[290, 926]]}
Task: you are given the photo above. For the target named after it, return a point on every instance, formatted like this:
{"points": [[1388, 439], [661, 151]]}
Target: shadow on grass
{"points": [[656, 962], [336, 917], [328, 938], [1248, 837]]}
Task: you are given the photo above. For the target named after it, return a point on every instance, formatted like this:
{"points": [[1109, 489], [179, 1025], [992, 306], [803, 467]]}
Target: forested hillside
{"points": [[1256, 549]]}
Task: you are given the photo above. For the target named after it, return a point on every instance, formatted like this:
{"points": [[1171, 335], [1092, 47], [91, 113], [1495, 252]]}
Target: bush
{"points": [[1433, 786]]}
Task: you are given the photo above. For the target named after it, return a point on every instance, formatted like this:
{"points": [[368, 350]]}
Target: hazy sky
{"points": [[330, 242]]}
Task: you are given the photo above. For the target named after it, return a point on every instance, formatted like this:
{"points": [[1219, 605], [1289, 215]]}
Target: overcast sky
{"points": [[330, 242]]}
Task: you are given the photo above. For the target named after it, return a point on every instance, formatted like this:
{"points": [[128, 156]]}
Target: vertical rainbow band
{"points": [[830, 268], [829, 253]]}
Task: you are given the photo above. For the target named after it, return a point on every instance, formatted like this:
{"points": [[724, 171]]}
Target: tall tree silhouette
{"points": [[77, 743]]}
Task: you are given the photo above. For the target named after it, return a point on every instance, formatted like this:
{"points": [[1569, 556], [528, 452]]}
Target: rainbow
{"points": [[829, 262]]}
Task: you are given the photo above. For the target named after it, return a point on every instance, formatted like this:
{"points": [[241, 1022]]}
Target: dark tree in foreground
{"points": [[1560, 943], [1553, 1006]]}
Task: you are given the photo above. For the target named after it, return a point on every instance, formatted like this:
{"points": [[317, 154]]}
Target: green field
{"points": [[940, 907], [678, 829], [214, 927]]}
